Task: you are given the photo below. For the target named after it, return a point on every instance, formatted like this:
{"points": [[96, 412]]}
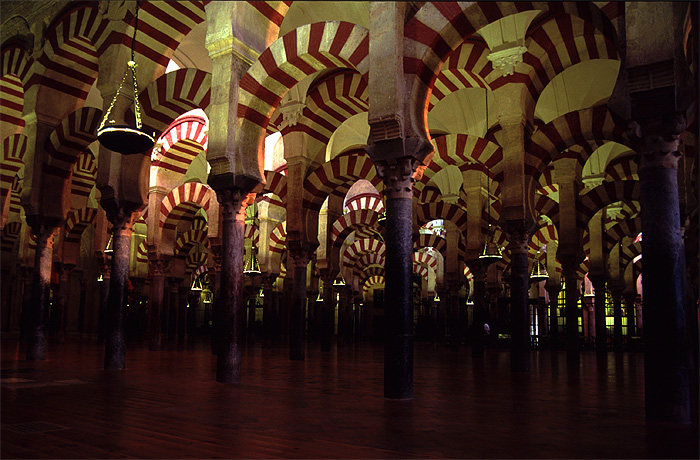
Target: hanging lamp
{"points": [[539, 271], [436, 298], [491, 252], [261, 294], [252, 266], [196, 285], [109, 249], [126, 139], [339, 281]]}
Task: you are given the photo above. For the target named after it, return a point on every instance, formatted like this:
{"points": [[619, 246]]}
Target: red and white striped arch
{"points": [[431, 240], [69, 63], [276, 184], [252, 233], [372, 281], [361, 247], [467, 67], [180, 144], [187, 240], [174, 94], [543, 236], [278, 238], [329, 103], [84, 174], [426, 259], [604, 195], [354, 221], [13, 149], [461, 150], [578, 128], [620, 230], [438, 28], [183, 202], [420, 270], [142, 255], [371, 201], [196, 259], [10, 235], [337, 176], [441, 210], [69, 139], [622, 168], [290, 59], [558, 43], [368, 260], [15, 68], [15, 206], [78, 220]]}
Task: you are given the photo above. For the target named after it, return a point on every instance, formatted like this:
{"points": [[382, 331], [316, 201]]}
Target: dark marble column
{"points": [[479, 298], [61, 299], [269, 317], [182, 323], [455, 325], [327, 313], [41, 280], [233, 203], [105, 267], [630, 302], [115, 320], [345, 316], [616, 292], [518, 239], [571, 296], [666, 377], [601, 330], [398, 308], [158, 269], [297, 313], [26, 303]]}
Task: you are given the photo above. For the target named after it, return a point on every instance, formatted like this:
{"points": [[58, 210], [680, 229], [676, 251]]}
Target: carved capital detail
{"points": [[658, 144], [158, 267], [397, 174]]}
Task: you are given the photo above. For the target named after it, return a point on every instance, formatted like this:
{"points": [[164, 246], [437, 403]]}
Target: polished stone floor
{"points": [[167, 405]]}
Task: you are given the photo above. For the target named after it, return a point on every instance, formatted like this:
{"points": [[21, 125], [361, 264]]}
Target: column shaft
{"points": [[156, 304], [115, 319], [36, 344], [519, 287], [601, 330], [231, 307]]}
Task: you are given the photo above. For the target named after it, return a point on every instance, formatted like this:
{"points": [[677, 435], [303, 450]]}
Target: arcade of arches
{"points": [[363, 155]]}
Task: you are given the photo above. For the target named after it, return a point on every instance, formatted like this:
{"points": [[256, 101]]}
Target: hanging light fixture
{"points": [[126, 139], [320, 292], [252, 266], [382, 215], [196, 285], [109, 249], [339, 281], [436, 298], [100, 278], [539, 271], [491, 251], [261, 294]]}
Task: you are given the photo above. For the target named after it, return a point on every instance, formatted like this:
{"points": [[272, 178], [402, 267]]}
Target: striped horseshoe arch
{"points": [[10, 235], [360, 248], [77, 222], [336, 177], [15, 69], [180, 144], [287, 61], [372, 281], [84, 174], [604, 195], [182, 203], [70, 138], [353, 221]]}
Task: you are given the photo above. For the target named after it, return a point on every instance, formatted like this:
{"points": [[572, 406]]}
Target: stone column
{"points": [[269, 317], [61, 299], [158, 269], [453, 305], [398, 308], [616, 292], [26, 303], [327, 310], [601, 330], [297, 313], [345, 316], [666, 364], [182, 328], [41, 280], [173, 306], [479, 298], [233, 203], [105, 268], [115, 320], [518, 239], [571, 296], [632, 326]]}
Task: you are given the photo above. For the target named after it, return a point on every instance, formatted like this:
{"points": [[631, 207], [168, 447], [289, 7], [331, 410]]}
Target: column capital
{"points": [[158, 267], [397, 174], [233, 202], [519, 232], [657, 144]]}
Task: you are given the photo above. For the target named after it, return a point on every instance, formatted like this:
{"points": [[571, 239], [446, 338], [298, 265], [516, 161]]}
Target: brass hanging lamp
{"points": [[196, 285], [109, 249], [126, 139], [252, 266], [491, 252], [539, 271]]}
